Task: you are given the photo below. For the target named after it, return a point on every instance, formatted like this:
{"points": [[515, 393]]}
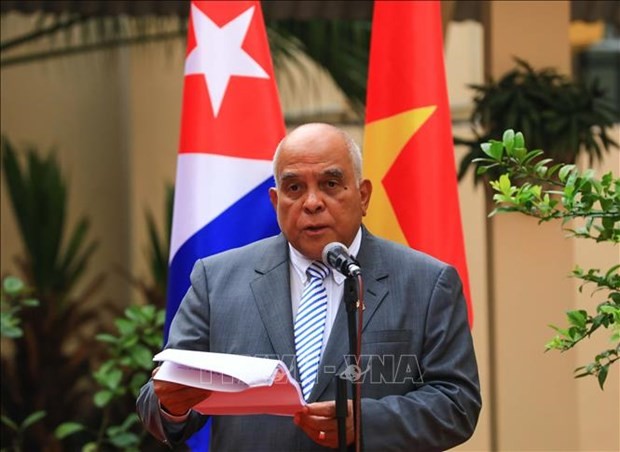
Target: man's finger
{"points": [[326, 409]]}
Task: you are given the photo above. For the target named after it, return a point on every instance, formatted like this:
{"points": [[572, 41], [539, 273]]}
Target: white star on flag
{"points": [[218, 54]]}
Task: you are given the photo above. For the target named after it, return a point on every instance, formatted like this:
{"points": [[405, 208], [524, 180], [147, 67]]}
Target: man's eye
{"points": [[332, 184], [293, 188]]}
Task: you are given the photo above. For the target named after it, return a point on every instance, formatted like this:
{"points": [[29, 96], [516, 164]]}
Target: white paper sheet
{"points": [[240, 384]]}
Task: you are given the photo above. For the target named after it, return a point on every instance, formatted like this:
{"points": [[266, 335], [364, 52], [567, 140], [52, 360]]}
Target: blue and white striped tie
{"points": [[310, 325]]}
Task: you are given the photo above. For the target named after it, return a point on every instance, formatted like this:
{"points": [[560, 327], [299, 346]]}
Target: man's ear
{"points": [[365, 192], [273, 197]]}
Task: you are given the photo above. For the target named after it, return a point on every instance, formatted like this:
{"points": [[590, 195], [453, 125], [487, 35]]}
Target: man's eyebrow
{"points": [[334, 172], [330, 172], [287, 175]]}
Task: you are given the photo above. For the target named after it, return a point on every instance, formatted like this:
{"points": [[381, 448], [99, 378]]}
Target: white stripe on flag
{"points": [[207, 185]]}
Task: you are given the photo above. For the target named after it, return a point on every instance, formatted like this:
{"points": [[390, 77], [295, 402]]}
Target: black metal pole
{"points": [[353, 306], [341, 411]]}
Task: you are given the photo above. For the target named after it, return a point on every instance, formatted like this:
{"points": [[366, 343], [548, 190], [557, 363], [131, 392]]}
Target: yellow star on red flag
{"points": [[384, 140]]}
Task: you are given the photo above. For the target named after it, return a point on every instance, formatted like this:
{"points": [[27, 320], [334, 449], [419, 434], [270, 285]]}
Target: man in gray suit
{"points": [[421, 390]]}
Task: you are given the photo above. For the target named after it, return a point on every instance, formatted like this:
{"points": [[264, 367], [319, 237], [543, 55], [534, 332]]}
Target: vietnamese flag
{"points": [[408, 150]]}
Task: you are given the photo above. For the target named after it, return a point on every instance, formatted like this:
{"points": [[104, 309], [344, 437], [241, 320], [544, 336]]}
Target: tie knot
{"points": [[317, 270]]}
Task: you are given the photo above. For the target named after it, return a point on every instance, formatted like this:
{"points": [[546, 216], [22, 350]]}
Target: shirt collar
{"points": [[301, 262]]}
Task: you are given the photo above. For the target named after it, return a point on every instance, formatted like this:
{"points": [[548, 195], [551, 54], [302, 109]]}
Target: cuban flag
{"points": [[231, 123]]}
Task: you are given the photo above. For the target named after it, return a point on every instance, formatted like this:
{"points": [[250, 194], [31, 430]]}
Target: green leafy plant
{"points": [[56, 347], [561, 116], [16, 297], [139, 336], [536, 187], [38, 196]]}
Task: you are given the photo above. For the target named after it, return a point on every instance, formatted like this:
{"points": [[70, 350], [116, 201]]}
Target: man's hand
{"points": [[177, 399], [318, 421]]}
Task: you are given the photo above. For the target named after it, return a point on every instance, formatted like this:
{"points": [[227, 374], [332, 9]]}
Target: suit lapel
{"points": [[272, 295], [375, 291]]}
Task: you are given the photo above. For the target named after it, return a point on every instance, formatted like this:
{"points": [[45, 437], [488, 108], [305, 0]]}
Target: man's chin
{"points": [[313, 250]]}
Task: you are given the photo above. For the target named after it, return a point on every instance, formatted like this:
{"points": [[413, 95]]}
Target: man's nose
{"points": [[313, 202]]}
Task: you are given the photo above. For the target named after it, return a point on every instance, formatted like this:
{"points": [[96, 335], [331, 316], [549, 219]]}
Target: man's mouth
{"points": [[315, 228]]}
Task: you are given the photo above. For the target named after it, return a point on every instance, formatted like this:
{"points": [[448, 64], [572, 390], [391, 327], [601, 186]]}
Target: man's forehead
{"points": [[313, 132]]}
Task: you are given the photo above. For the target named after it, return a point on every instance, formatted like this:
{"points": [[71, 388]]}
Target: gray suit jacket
{"points": [[421, 391]]}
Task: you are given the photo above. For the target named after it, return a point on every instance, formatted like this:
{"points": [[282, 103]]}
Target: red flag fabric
{"points": [[408, 149]]}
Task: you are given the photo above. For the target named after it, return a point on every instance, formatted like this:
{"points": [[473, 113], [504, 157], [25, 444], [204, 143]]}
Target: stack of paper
{"points": [[240, 384]]}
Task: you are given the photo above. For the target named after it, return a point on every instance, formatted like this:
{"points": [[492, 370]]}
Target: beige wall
{"points": [[115, 119], [465, 38], [77, 105], [473, 213], [156, 83]]}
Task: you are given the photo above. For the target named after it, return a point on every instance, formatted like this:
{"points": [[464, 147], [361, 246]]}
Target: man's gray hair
{"points": [[354, 152]]}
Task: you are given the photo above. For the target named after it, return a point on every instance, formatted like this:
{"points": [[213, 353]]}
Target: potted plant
{"points": [[562, 116]]}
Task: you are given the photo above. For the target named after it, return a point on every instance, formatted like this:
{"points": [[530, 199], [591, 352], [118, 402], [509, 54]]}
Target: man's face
{"points": [[318, 200]]}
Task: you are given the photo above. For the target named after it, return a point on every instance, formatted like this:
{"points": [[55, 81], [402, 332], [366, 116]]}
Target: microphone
{"points": [[337, 256]]}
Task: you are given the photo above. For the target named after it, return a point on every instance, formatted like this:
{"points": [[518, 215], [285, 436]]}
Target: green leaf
{"points": [[68, 428], [102, 398], [133, 313], [106, 338], [519, 141], [114, 430], [509, 140], [575, 333], [519, 154], [91, 447], [131, 419], [577, 318], [504, 184], [142, 356], [32, 418], [129, 341], [30, 302], [114, 378], [137, 381], [12, 285], [496, 150], [161, 317], [12, 332], [125, 326], [482, 170], [124, 440], [531, 155], [486, 148], [602, 375], [9, 423], [564, 172], [611, 271]]}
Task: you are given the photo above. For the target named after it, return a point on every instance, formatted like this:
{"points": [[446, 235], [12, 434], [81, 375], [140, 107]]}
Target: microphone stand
{"points": [[353, 299]]}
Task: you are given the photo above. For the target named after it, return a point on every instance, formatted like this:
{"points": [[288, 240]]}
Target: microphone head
{"points": [[332, 250]]}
